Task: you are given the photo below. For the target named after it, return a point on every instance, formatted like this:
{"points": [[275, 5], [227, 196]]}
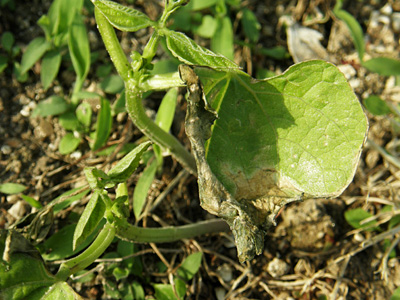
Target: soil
{"points": [[311, 252]]}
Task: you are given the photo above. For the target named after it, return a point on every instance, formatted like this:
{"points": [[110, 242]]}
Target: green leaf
{"points": [[54, 105], [35, 50], [190, 266], [65, 199], [59, 290], [89, 220], [12, 188], [112, 84], [68, 143], [396, 294], [7, 41], [122, 17], [32, 202], [103, 125], [293, 123], [354, 27], [69, 121], [208, 27], [166, 111], [59, 245], [25, 271], [128, 164], [50, 65], [120, 273], [188, 52], [142, 188], [383, 65], [251, 26], [201, 4], [355, 217], [294, 136], [222, 41], [376, 106], [79, 49], [84, 114], [166, 291], [138, 291], [3, 63]]}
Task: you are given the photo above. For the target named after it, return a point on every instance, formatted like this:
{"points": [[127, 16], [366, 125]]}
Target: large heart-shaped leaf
{"points": [[295, 136]]}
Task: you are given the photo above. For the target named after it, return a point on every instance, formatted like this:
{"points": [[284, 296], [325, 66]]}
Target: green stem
{"points": [[131, 233], [113, 47], [97, 248], [155, 133], [161, 82]]}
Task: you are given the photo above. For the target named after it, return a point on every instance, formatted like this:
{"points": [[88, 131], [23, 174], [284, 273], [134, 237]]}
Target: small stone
{"points": [[225, 271], [17, 210], [5, 149], [277, 267]]}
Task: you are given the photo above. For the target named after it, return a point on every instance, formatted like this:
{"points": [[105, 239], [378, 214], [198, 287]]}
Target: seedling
{"points": [[257, 145]]}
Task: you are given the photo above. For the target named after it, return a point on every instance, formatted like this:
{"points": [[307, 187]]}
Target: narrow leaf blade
{"points": [[383, 65], [33, 53], [50, 65], [103, 125], [142, 188]]}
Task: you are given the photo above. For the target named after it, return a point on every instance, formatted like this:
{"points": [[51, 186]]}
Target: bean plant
{"points": [[257, 145]]}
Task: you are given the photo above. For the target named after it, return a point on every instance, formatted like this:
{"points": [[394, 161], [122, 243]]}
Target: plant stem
{"points": [[113, 47], [131, 233], [97, 248], [155, 133], [161, 82]]}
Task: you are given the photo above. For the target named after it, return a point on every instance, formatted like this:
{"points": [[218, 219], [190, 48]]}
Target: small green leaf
{"points": [[54, 105], [122, 17], [120, 273], [103, 125], [166, 291], [142, 188], [383, 65], [222, 41], [59, 245], [32, 202], [112, 84], [50, 65], [166, 111], [3, 63], [84, 114], [201, 4], [190, 266], [79, 49], [35, 50], [61, 15], [69, 121], [12, 188], [128, 164], [119, 104], [376, 106], [251, 26], [354, 27], [138, 291], [68, 143], [7, 41], [208, 27], [187, 51], [89, 220], [355, 217]]}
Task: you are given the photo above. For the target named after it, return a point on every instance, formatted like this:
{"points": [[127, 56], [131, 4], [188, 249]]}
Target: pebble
{"points": [[17, 210], [347, 70], [396, 22], [5, 149], [277, 267], [225, 271]]}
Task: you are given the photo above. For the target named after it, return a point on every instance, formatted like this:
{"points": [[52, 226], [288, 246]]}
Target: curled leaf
{"points": [[295, 136]]}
